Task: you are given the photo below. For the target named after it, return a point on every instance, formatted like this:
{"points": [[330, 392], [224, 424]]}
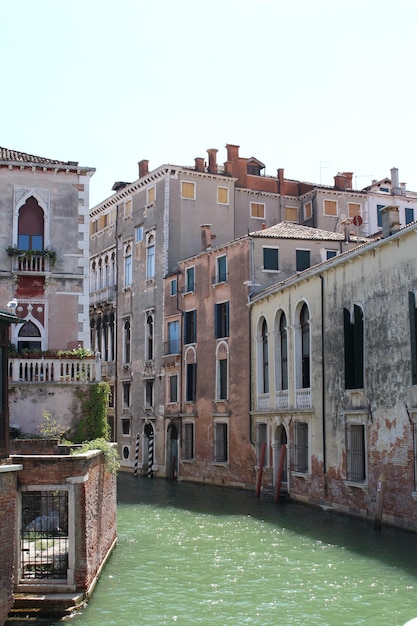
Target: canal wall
{"points": [[8, 522]]}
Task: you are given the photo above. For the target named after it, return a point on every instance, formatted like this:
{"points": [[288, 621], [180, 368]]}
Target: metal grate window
{"points": [[44, 535], [355, 453]]}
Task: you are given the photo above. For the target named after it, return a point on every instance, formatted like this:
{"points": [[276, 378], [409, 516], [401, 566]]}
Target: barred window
{"points": [[301, 447], [355, 453]]}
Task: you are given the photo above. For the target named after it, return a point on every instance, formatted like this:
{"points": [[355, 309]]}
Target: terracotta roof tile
{"points": [[287, 230], [13, 156]]}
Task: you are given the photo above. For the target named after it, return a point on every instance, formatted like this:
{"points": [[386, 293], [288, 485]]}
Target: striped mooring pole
{"points": [[150, 457], [137, 454]]}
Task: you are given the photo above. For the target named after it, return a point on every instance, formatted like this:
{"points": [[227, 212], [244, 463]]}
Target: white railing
{"points": [[303, 398], [33, 263], [54, 370], [263, 402], [282, 400]]}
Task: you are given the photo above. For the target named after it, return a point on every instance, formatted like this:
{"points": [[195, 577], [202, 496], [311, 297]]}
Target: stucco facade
{"points": [[334, 378]]}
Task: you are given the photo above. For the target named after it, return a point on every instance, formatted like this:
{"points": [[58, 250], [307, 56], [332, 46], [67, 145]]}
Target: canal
{"points": [[190, 554]]}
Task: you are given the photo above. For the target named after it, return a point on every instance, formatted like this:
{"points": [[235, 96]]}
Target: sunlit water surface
{"points": [[191, 555]]}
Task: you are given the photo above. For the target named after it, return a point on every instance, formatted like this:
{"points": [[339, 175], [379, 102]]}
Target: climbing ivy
{"points": [[93, 421]]}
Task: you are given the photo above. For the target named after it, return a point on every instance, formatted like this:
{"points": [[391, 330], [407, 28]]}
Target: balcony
{"points": [[172, 346], [282, 401], [35, 370], [31, 261], [303, 398], [264, 403], [108, 294], [222, 277]]}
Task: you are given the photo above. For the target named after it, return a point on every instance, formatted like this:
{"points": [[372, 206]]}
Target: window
{"points": [[30, 226], [355, 453], [128, 266], [301, 447], [264, 382], [188, 441], [150, 195], [126, 426], [29, 337], [128, 208], [173, 346], [302, 260], [190, 382], [221, 320], [354, 209], [173, 388], [188, 190], [190, 326], [149, 338], [308, 210], [330, 207], [222, 195], [282, 360], [222, 372], [257, 210], [291, 214], [261, 438], [148, 393], [385, 189], [189, 279], [150, 257], [302, 346], [173, 287], [126, 341], [379, 208], [220, 442], [221, 269], [330, 254], [353, 347], [138, 234], [126, 395], [413, 335], [409, 215], [271, 259]]}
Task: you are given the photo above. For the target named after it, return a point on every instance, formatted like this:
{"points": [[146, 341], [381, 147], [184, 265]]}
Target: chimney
{"points": [[143, 168], [199, 164], [390, 220], [343, 180], [205, 237], [280, 175], [403, 187], [232, 152], [395, 185], [212, 160]]}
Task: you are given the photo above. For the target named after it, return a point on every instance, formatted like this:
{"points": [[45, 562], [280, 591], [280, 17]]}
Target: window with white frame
{"points": [[270, 259], [126, 426], [150, 256], [221, 320], [173, 331], [222, 367], [187, 190], [128, 208], [222, 195], [302, 259], [190, 376], [126, 341], [257, 210], [150, 195], [261, 439], [188, 441], [149, 385], [308, 210], [330, 207], [302, 345], [173, 388], [355, 452], [281, 353], [291, 214], [354, 209], [189, 279], [354, 347], [263, 357], [139, 233], [173, 287], [126, 394], [221, 269], [190, 326], [128, 266], [220, 442], [149, 345], [301, 447]]}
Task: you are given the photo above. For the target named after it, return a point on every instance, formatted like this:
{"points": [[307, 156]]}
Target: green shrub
{"points": [[111, 457], [93, 421]]}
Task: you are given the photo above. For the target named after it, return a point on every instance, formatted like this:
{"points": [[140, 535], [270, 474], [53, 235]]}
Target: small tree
{"points": [[93, 421], [50, 428]]}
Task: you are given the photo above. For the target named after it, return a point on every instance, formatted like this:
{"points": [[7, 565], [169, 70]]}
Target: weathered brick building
{"points": [[334, 378]]}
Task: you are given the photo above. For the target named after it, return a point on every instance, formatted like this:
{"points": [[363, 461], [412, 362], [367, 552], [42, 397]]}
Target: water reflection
{"points": [[190, 555]]}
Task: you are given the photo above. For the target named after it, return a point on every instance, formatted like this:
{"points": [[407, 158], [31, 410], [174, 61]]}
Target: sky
{"points": [[311, 86]]}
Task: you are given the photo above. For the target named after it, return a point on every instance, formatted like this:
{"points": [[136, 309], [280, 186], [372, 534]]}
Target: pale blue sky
{"points": [[295, 83]]}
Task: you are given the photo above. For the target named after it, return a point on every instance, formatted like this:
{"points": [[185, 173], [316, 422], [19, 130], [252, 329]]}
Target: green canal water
{"points": [[190, 554]]}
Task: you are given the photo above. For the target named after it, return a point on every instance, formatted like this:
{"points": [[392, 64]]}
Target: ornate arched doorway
{"points": [[172, 452]]}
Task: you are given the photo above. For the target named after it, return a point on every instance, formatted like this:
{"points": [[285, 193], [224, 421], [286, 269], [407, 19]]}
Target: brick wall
{"points": [[8, 518]]}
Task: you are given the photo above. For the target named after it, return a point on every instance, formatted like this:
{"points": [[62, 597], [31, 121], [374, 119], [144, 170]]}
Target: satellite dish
{"points": [[12, 305]]}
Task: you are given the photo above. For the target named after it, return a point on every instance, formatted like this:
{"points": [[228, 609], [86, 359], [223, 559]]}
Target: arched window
{"points": [[222, 372], [302, 346], [93, 277], [190, 375], [126, 341], [29, 337], [100, 274], [128, 266], [262, 357], [150, 257], [31, 226], [149, 337], [281, 352]]}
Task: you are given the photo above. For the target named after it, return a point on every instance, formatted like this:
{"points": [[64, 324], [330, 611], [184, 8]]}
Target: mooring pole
{"points": [[150, 457], [260, 470], [380, 495], [137, 454], [279, 473]]}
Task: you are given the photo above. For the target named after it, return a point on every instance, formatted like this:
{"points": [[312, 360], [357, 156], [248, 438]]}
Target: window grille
{"points": [[44, 535], [355, 453], [301, 447]]}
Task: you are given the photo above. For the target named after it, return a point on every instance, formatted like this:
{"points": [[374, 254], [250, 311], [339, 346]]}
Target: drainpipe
{"points": [[116, 327], [323, 385], [252, 278]]}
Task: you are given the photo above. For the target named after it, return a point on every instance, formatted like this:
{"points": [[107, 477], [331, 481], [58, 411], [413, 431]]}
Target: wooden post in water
{"points": [[137, 454], [380, 495], [279, 473], [260, 470]]}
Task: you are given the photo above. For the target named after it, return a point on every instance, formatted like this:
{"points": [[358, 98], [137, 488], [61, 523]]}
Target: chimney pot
{"points": [[143, 168], [212, 155]]}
